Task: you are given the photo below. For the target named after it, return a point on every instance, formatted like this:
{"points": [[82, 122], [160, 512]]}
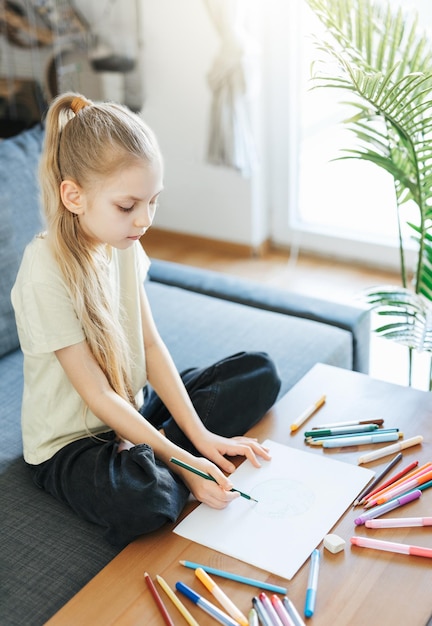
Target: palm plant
{"points": [[385, 65]]}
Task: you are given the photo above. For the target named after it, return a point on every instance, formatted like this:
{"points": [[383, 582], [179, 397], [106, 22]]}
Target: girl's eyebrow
{"points": [[136, 199]]}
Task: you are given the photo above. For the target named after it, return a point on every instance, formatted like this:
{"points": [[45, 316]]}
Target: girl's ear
{"points": [[72, 196]]}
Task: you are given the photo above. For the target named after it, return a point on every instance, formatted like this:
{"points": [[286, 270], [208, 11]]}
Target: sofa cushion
{"points": [[19, 201], [209, 329]]}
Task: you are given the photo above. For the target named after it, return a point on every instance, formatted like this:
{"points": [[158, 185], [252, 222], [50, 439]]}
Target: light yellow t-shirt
{"points": [[53, 414]]}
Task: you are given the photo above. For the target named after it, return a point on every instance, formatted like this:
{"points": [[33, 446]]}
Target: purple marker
{"points": [[376, 511]]}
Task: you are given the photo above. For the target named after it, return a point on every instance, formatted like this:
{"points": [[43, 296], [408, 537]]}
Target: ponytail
{"points": [[84, 141]]}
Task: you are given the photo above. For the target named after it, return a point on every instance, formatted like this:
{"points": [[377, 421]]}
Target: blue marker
{"points": [[205, 605], [312, 584]]}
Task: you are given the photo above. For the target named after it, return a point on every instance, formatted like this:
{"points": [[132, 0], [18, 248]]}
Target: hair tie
{"points": [[78, 103]]}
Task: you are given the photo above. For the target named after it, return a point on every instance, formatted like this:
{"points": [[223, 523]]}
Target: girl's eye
{"points": [[126, 209]]}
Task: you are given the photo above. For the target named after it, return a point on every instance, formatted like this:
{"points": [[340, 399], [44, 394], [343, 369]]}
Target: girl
{"points": [[104, 408]]}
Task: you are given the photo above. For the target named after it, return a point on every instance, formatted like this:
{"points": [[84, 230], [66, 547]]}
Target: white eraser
{"points": [[334, 543]]}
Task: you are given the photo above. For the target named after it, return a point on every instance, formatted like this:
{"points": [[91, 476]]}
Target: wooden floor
{"points": [[323, 278], [320, 277]]}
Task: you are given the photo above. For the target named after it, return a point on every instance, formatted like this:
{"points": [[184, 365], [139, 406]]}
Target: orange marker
{"points": [[221, 597]]}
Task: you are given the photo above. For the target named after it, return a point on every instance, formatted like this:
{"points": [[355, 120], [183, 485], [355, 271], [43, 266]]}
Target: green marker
{"points": [[341, 430]]}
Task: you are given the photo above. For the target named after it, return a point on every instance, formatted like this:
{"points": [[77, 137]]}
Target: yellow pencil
{"points": [[177, 603]]}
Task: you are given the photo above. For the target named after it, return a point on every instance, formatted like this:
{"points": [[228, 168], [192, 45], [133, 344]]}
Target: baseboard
{"points": [[159, 236]]}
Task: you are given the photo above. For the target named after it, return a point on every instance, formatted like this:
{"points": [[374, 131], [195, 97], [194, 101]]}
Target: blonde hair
{"points": [[85, 141]]}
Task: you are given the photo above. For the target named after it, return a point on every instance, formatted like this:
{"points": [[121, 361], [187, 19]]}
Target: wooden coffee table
{"points": [[356, 587]]}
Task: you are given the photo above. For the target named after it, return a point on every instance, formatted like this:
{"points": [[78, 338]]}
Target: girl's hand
{"points": [[215, 494], [215, 447]]}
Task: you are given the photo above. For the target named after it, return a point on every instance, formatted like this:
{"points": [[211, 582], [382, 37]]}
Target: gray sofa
{"points": [[47, 553]]}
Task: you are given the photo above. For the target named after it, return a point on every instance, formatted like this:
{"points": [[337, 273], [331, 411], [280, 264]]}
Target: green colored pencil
{"points": [[198, 472]]}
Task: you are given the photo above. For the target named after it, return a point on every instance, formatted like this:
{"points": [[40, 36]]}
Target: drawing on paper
{"points": [[282, 497]]}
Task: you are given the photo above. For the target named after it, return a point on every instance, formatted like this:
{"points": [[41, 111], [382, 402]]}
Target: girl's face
{"points": [[118, 210]]}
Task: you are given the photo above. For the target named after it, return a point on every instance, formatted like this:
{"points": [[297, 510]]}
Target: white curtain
{"points": [[233, 80]]}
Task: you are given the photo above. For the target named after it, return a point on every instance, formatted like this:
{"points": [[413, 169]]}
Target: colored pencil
{"points": [[391, 480], [158, 600], [177, 602], [404, 487], [378, 478], [373, 500], [198, 472], [376, 511]]}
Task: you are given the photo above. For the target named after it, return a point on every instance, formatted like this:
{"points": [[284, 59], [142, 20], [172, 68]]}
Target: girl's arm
{"points": [[165, 380], [92, 385]]}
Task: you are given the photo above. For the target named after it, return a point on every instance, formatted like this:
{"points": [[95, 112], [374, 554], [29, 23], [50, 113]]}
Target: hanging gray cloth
{"points": [[232, 79]]}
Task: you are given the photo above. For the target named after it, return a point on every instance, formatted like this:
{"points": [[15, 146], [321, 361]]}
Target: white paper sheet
{"points": [[300, 497]]}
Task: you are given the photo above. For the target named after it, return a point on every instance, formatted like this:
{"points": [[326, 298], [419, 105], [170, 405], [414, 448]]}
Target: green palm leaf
{"points": [[410, 316], [385, 64]]}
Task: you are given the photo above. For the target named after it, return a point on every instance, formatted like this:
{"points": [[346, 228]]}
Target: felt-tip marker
{"points": [[307, 413], [353, 440], [312, 584], [379, 422], [205, 605], [221, 597], [341, 430]]}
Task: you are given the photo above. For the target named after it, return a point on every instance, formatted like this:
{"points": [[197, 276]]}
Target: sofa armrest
{"points": [[254, 294]]}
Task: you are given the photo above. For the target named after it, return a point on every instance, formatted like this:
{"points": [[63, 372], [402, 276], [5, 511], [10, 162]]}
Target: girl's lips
{"points": [[135, 238]]}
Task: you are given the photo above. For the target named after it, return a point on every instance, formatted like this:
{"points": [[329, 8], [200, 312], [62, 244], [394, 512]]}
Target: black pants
{"points": [[131, 493]]}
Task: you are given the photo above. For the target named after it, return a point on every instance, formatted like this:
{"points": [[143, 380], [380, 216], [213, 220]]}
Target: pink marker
{"points": [[399, 522], [391, 546], [270, 609], [281, 611]]}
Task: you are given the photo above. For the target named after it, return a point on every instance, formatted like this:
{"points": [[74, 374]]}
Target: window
{"points": [[341, 208]]}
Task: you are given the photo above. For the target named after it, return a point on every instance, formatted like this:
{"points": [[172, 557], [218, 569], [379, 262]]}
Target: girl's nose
{"points": [[144, 217]]}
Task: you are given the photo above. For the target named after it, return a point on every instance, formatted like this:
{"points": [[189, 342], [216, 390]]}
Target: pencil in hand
{"points": [[198, 472]]}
